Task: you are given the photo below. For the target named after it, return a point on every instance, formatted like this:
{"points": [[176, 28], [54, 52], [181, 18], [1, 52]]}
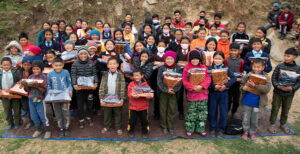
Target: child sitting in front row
{"points": [[254, 103]]}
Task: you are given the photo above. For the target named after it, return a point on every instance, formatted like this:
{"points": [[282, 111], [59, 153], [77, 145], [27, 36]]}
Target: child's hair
{"points": [[185, 38], [165, 25], [162, 41], [176, 30], [241, 23], [79, 19], [61, 21], [54, 23], [148, 26], [128, 14], [177, 11], [48, 30], [128, 24], [263, 29], [218, 53], [68, 25], [200, 29], [202, 11], [6, 59], [291, 51], [225, 31], [218, 15], [84, 21], [72, 34], [137, 70], [256, 40], [119, 30], [58, 60], [234, 46], [155, 16], [113, 58], [189, 23], [23, 35], [50, 52], [110, 40], [99, 21], [106, 24], [137, 43], [211, 39], [46, 23], [168, 18], [151, 35], [87, 29], [145, 51], [215, 26], [258, 61]]}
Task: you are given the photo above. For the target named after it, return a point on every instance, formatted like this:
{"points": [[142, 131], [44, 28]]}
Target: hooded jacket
{"points": [[224, 47], [138, 104], [17, 57]]}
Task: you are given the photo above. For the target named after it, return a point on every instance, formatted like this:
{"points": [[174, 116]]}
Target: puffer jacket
{"points": [[138, 104], [17, 57], [83, 68], [147, 68]]}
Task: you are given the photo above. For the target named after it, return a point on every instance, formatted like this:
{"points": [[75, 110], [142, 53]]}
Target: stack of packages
{"points": [[258, 80], [196, 75], [111, 101], [288, 78], [219, 76], [15, 92], [57, 96], [171, 79], [142, 91]]}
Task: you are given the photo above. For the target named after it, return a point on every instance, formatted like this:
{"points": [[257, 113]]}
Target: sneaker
{"points": [[220, 135], [181, 116], [8, 126], [81, 124], [165, 130], [37, 133], [145, 135], [28, 125], [245, 136], [61, 133], [213, 133], [47, 135], [252, 137], [67, 132], [203, 134], [188, 133], [280, 35], [130, 134], [119, 132], [171, 131]]}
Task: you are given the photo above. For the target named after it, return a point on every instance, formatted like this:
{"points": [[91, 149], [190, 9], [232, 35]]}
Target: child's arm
{"points": [[148, 71], [275, 76], [243, 83], [69, 84], [160, 83], [49, 82], [73, 74], [268, 66], [122, 87], [129, 90], [102, 87], [264, 88]]}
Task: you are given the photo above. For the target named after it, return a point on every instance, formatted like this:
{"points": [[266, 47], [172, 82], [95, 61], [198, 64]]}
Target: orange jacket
{"points": [[197, 43], [224, 47]]}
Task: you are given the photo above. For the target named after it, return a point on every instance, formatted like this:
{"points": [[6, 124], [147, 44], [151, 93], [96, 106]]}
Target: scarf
{"points": [[172, 67], [48, 44]]}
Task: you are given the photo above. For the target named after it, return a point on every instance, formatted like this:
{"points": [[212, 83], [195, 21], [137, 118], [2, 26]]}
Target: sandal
{"points": [[104, 130], [272, 129], [203, 134], [285, 129], [119, 132]]}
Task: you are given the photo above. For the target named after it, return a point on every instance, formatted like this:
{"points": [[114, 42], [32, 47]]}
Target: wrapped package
{"points": [[47, 70], [142, 91], [258, 80], [57, 96], [7, 94], [18, 89], [196, 75], [85, 82], [120, 47], [182, 63], [127, 68], [219, 76], [171, 79], [241, 41], [288, 78], [111, 101], [33, 82], [68, 56], [104, 59], [208, 57], [238, 75], [262, 58]]}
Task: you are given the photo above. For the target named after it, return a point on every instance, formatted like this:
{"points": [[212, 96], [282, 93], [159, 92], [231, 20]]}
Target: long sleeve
{"points": [[160, 83], [148, 69], [129, 90], [268, 66], [178, 87], [275, 76], [270, 20], [102, 86], [247, 64], [232, 78], [187, 85], [49, 82], [69, 83], [297, 85], [96, 80]]}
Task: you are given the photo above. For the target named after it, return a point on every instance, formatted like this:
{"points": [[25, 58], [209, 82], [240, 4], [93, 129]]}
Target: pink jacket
{"points": [[191, 95]]}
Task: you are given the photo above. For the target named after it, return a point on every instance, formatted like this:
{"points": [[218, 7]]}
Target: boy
{"points": [[257, 52], [155, 23], [36, 95], [78, 25], [83, 67], [15, 52], [60, 79], [253, 104], [138, 106], [35, 53], [11, 106], [236, 65], [202, 16], [283, 95], [112, 82], [217, 22], [177, 21], [286, 20]]}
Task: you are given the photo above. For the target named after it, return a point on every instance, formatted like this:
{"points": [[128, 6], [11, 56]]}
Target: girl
{"points": [[151, 45], [15, 52], [81, 32], [175, 44], [107, 33], [40, 38], [144, 63], [84, 39], [48, 43], [224, 43], [77, 25], [261, 33], [147, 30], [200, 41], [137, 49], [128, 35], [197, 96], [64, 36], [55, 32], [119, 38], [61, 26], [99, 26], [213, 33], [241, 34], [184, 49], [210, 49], [218, 97], [50, 56], [201, 26], [23, 39], [73, 36], [165, 35], [110, 52]]}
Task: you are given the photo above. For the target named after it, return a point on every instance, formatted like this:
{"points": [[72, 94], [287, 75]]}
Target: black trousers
{"points": [[179, 96], [85, 98], [143, 116], [234, 97], [156, 92]]}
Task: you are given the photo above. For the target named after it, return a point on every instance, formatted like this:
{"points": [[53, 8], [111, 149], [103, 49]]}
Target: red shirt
{"points": [[26, 47], [181, 24]]}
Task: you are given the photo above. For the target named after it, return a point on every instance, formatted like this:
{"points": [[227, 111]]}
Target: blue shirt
{"points": [[257, 54], [59, 80], [251, 99]]}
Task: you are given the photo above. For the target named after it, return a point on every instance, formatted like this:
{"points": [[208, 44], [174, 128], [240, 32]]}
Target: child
{"points": [[107, 33], [112, 82], [99, 26], [92, 48], [78, 23], [210, 48], [254, 103], [175, 44], [165, 35], [137, 49], [69, 48], [73, 36], [60, 79], [261, 33], [40, 38], [217, 22], [201, 26], [185, 48], [155, 23], [283, 95], [35, 53], [236, 65], [128, 35], [151, 44], [224, 43], [257, 52], [55, 32], [241, 33], [83, 67], [15, 52], [138, 106], [167, 98], [177, 22], [48, 43], [11, 106], [218, 97], [50, 56], [81, 32], [110, 52], [213, 33], [147, 30], [197, 96], [36, 96], [24, 73], [23, 39], [202, 16], [119, 38], [286, 20], [144, 64], [61, 26], [200, 41]]}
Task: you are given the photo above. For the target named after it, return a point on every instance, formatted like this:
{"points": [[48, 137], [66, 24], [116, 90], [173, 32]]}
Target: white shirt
{"points": [[112, 83], [7, 79]]}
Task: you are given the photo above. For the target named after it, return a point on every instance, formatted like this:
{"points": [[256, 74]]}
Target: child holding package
{"points": [[60, 79], [284, 92], [197, 96], [113, 83], [253, 104], [168, 101]]}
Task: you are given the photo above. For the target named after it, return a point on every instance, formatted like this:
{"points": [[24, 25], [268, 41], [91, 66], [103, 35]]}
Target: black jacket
{"points": [[243, 36], [160, 78], [267, 48], [83, 68], [272, 13], [147, 68], [275, 77]]}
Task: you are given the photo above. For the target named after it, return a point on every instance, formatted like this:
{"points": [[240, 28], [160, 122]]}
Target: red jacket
{"points": [[289, 21], [181, 24], [138, 104], [196, 23]]}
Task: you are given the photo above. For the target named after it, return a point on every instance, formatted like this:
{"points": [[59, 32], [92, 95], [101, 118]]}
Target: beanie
{"points": [[38, 63], [170, 53], [91, 44], [27, 59], [83, 49], [36, 50], [95, 32], [194, 54]]}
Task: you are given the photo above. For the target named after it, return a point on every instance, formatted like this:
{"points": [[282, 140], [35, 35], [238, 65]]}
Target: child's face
{"points": [[202, 14], [257, 68], [147, 30], [127, 29], [69, 47], [166, 28], [95, 37], [26, 66], [137, 76], [150, 41], [23, 41], [178, 35], [211, 46], [213, 31], [6, 65], [112, 65], [62, 25], [83, 56], [234, 53], [168, 21], [195, 61], [78, 23], [139, 47], [288, 58], [118, 35], [46, 26], [106, 26], [256, 46], [144, 57], [161, 44], [69, 30], [99, 25], [31, 54], [48, 36], [218, 60], [109, 46], [177, 16], [188, 28], [36, 70], [217, 20], [13, 50], [58, 66], [259, 34], [50, 58], [201, 34], [54, 29], [170, 61], [224, 37], [241, 28], [84, 25], [73, 38], [202, 22], [128, 18], [92, 51], [185, 41], [88, 32]]}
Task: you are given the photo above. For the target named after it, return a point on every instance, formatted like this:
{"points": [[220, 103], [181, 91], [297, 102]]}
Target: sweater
{"points": [[40, 37], [235, 65], [160, 77], [247, 66], [120, 85], [224, 47], [15, 58], [289, 20], [147, 68], [137, 104], [59, 80], [83, 68], [198, 43]]}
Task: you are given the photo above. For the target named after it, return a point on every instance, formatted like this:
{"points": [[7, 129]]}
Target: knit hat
{"points": [[38, 63], [83, 49], [70, 42], [36, 50], [27, 59], [194, 54], [170, 53], [91, 44], [275, 4], [95, 32]]}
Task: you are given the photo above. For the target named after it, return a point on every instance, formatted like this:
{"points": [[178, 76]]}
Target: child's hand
{"points": [[113, 53], [149, 96], [126, 55], [95, 86], [239, 79], [121, 101], [246, 88], [71, 93], [24, 83], [198, 88], [76, 87], [222, 88], [217, 87], [171, 91]]}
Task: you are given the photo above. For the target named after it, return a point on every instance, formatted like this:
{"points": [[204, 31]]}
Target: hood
{"points": [[190, 65], [221, 42], [15, 44]]}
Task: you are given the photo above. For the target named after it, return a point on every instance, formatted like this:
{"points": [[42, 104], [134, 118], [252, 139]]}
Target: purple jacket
{"points": [[34, 92]]}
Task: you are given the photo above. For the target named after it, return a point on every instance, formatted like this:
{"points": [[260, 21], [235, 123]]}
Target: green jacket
{"points": [[120, 87], [13, 74]]}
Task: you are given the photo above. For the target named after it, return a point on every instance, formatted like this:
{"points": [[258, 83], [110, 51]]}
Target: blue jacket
{"points": [[55, 47], [228, 84], [59, 80], [247, 65]]}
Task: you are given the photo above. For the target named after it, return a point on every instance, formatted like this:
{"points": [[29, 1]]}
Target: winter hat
{"points": [[36, 50], [194, 54], [170, 53], [83, 49], [95, 32], [275, 4], [70, 42], [91, 44], [38, 63], [27, 59]]}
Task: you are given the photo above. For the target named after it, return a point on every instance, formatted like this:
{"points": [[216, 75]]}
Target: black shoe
{"points": [[213, 133], [279, 36], [282, 37], [220, 135], [145, 135], [131, 134], [171, 131], [67, 132], [181, 116], [61, 133], [156, 116], [165, 130]]}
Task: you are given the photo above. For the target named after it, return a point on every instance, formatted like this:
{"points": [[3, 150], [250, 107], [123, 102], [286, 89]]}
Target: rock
{"points": [[151, 2], [118, 9], [225, 22], [99, 3]]}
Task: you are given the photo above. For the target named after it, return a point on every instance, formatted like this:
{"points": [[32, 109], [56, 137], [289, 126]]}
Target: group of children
{"points": [[174, 47]]}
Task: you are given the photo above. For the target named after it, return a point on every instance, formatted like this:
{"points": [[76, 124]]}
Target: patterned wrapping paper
{"points": [[171, 79], [208, 57], [85, 82], [142, 91], [33, 82], [258, 80], [120, 48], [103, 59], [18, 89], [111, 101], [196, 75], [219, 76]]}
